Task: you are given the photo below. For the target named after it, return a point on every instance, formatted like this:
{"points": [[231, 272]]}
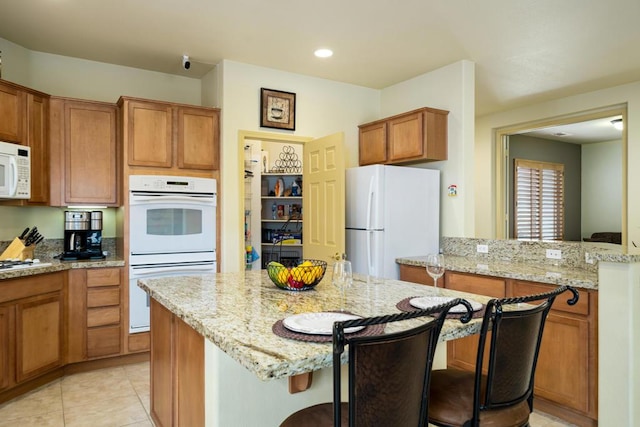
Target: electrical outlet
{"points": [[482, 249], [554, 253]]}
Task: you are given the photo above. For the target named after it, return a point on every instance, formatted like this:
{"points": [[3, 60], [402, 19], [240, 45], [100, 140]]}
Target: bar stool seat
{"points": [[456, 406]]}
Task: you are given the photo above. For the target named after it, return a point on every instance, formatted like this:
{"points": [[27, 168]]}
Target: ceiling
{"points": [[525, 51], [587, 132]]}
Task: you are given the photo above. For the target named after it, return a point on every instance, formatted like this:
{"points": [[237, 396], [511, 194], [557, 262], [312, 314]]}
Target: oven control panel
{"points": [[171, 184]]}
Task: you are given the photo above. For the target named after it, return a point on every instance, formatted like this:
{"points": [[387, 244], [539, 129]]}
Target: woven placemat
{"points": [[405, 305], [280, 330]]}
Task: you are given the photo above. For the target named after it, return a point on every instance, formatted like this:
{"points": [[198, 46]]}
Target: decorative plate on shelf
{"points": [[319, 323], [427, 302]]}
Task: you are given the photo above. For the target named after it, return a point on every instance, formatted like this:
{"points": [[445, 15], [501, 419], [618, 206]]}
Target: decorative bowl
{"points": [[304, 276]]}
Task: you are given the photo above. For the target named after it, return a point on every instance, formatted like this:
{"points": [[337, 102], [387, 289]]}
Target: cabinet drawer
{"points": [[103, 341], [103, 277], [101, 297], [529, 288], [474, 284], [103, 316]]}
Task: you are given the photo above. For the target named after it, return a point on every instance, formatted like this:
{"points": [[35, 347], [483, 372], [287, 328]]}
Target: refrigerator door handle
{"points": [[369, 253], [370, 204]]}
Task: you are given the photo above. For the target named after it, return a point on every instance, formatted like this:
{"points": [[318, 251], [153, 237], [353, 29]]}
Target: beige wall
{"points": [[485, 153], [323, 107], [601, 187], [76, 78], [449, 88]]}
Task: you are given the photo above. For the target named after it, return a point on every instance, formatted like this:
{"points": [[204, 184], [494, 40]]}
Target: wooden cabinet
{"points": [[566, 375], [462, 353], [12, 113], [7, 378], [566, 382], [84, 153], [170, 136], [416, 274], [39, 335], [95, 313], [416, 136], [24, 119], [177, 370], [38, 140], [31, 328]]}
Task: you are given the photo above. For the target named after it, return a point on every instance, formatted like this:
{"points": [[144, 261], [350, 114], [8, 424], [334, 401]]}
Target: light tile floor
{"points": [[111, 397]]}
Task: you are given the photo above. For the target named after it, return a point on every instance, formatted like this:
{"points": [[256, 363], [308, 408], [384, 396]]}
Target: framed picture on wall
{"points": [[277, 109]]}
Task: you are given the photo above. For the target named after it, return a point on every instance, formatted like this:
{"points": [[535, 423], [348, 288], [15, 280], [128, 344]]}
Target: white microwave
{"points": [[15, 171]]}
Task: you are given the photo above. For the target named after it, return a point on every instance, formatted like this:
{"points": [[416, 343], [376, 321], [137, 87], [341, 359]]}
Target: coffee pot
{"points": [[82, 235]]}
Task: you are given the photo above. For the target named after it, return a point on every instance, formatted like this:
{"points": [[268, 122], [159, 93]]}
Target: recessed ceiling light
{"points": [[323, 53]]}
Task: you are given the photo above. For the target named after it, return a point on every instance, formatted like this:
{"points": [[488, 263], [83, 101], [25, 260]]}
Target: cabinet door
{"points": [[198, 138], [12, 114], [406, 137], [462, 353], [39, 335], [372, 144], [7, 347], [38, 140], [189, 375], [90, 150], [149, 134], [415, 274], [161, 365], [567, 353]]}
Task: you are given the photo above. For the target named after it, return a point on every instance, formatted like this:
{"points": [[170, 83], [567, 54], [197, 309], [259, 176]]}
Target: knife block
{"points": [[17, 250]]}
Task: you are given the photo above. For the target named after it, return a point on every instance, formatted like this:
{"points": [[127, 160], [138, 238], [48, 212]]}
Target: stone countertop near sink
{"points": [[236, 312], [57, 265], [555, 275]]}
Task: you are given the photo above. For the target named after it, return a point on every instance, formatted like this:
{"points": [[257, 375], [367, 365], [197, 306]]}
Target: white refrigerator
{"points": [[392, 212]]}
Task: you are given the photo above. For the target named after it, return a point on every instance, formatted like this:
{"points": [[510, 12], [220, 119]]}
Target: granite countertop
{"points": [[236, 312], [57, 265], [543, 273]]}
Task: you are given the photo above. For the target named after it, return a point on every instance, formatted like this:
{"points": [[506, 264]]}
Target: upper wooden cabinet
{"points": [[84, 153], [12, 113], [419, 135], [24, 119], [38, 140], [169, 136]]}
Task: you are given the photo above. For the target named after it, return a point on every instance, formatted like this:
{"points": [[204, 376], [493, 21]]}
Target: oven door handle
{"points": [[138, 200], [160, 270]]}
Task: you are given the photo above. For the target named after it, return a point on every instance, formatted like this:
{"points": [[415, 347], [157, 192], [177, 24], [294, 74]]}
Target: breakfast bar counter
{"points": [[246, 367]]}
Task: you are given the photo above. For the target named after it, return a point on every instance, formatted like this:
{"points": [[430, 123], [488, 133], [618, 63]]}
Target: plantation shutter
{"points": [[539, 200]]}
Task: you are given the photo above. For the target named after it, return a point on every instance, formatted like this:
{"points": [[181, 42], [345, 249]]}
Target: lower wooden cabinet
{"points": [[95, 314], [7, 347], [177, 370], [566, 382], [31, 327], [39, 335]]}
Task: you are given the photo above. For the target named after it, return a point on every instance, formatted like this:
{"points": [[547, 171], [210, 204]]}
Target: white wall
{"points": [[485, 148], [323, 107], [601, 192], [449, 88]]}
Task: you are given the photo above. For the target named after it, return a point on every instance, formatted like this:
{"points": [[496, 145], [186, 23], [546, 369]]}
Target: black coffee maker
{"points": [[82, 235]]}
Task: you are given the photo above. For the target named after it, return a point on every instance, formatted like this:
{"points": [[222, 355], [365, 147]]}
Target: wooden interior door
{"points": [[323, 204]]}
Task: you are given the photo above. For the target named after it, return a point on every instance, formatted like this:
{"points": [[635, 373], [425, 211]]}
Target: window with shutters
{"points": [[539, 200]]}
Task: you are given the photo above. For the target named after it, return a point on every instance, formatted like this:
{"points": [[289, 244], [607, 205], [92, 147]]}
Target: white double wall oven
{"points": [[172, 231]]}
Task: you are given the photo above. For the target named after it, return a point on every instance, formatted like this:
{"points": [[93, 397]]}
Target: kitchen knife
{"points": [[40, 239], [32, 238], [31, 233], [24, 234]]}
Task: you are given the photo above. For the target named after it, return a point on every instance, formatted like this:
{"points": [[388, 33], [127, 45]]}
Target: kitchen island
{"points": [[217, 329]]}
